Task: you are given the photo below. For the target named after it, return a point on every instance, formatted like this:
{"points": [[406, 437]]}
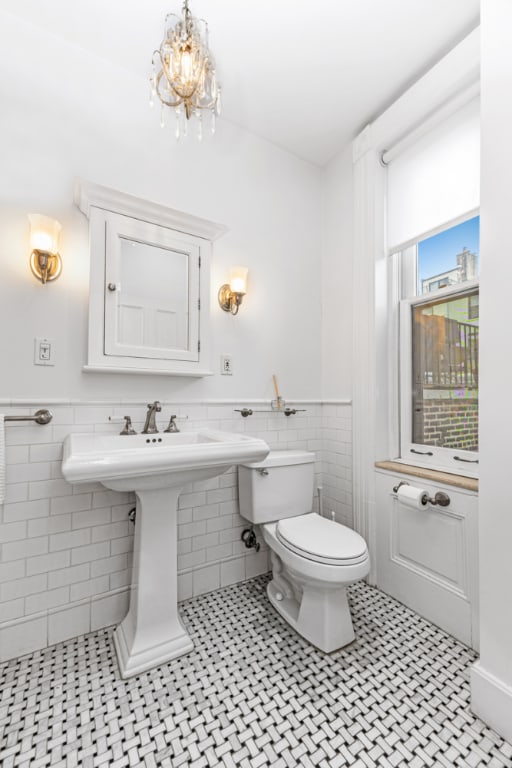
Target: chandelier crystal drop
{"points": [[186, 81]]}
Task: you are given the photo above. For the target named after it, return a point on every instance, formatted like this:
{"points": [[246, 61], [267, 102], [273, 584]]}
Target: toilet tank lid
{"points": [[283, 459]]}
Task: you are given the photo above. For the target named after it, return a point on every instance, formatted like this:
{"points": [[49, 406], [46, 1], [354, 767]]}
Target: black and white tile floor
{"points": [[252, 693]]}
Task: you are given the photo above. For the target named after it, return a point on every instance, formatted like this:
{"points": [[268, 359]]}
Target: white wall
{"points": [[65, 551], [337, 288], [67, 114], [491, 682]]}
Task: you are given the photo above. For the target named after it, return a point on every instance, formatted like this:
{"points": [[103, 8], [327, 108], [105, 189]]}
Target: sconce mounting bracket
{"points": [[45, 266]]}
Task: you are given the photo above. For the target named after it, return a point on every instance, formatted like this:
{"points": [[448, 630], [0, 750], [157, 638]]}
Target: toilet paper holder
{"points": [[440, 499]]}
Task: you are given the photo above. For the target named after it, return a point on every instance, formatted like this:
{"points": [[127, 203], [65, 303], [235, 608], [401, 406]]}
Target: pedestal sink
{"points": [[156, 467]]}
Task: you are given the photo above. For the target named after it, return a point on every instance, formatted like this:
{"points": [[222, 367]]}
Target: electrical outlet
{"points": [[44, 351], [226, 365]]}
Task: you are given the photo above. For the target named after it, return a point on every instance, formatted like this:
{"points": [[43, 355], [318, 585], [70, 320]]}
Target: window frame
{"points": [[402, 284], [442, 458]]}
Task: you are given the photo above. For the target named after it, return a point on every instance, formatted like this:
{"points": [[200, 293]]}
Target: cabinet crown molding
{"points": [[88, 195]]}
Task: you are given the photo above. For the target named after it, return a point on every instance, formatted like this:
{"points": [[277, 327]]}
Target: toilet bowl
{"points": [[313, 559]]}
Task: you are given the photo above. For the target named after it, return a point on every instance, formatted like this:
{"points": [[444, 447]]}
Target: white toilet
{"points": [[313, 559]]}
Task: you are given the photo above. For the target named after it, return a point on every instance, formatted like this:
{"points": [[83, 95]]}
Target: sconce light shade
{"points": [[238, 280], [232, 293], [45, 261]]}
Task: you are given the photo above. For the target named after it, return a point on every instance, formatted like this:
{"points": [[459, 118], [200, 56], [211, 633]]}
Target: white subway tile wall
{"points": [[335, 450], [66, 550]]}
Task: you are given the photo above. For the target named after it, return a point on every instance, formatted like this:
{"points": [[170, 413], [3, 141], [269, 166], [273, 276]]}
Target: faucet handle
{"points": [[127, 429], [155, 406], [173, 427]]}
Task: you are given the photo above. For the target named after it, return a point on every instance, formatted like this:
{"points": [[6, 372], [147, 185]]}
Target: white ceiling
{"points": [[305, 76]]}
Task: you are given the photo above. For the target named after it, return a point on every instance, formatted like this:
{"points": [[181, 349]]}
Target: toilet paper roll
{"points": [[412, 497]]}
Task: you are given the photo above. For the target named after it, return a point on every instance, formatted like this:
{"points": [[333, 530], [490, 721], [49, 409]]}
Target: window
{"points": [[439, 335], [449, 257]]}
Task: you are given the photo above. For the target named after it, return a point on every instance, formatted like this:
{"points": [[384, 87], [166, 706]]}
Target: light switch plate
{"points": [[44, 351]]}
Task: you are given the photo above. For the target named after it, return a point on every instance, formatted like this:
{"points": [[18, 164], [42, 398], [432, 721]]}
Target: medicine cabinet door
{"points": [[152, 288]]}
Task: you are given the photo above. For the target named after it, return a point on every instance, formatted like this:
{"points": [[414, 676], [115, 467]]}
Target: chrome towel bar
{"points": [[43, 416], [287, 411]]}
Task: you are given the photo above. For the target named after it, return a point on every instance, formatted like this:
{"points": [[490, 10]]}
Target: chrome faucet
{"points": [[128, 428], [150, 426], [173, 427]]}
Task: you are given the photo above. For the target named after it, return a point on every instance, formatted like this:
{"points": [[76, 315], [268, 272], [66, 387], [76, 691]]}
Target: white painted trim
{"points": [[454, 77], [397, 276], [38, 401], [369, 176], [491, 700], [87, 195], [196, 373]]}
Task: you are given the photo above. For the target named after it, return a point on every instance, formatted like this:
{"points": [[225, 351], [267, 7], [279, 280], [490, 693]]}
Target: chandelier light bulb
{"points": [[186, 69]]}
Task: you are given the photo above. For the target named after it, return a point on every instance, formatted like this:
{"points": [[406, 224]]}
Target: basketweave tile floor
{"points": [[253, 693]]}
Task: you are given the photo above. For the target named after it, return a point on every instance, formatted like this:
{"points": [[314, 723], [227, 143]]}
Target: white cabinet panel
{"points": [[151, 288], [149, 296], [430, 542], [427, 558]]}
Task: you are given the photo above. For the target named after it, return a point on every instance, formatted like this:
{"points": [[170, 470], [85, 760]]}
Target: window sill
{"points": [[457, 481]]}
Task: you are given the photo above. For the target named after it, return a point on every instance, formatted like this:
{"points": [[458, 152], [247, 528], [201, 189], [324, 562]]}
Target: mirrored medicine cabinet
{"points": [[149, 285]]}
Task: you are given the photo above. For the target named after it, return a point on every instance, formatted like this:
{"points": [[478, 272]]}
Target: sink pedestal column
{"points": [[152, 633]]}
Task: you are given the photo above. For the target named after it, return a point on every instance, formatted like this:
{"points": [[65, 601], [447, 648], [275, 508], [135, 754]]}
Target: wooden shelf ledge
{"points": [[446, 478]]}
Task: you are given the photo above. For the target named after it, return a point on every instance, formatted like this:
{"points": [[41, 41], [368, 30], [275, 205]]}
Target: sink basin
{"points": [[162, 460], [156, 467]]}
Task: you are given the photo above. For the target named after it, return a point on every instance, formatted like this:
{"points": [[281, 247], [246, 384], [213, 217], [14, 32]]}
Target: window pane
{"points": [[445, 372], [449, 257]]}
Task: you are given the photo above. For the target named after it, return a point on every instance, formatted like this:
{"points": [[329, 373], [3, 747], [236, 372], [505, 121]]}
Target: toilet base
{"points": [[320, 613]]}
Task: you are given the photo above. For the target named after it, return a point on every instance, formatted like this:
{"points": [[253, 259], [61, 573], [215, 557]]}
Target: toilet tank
{"points": [[280, 486]]}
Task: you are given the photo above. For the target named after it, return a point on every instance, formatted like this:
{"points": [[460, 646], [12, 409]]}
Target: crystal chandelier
{"points": [[186, 81]]}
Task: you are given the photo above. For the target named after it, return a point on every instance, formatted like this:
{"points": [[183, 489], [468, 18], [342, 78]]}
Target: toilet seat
{"points": [[323, 541]]}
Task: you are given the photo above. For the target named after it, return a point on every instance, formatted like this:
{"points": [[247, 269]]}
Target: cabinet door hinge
{"points": [[199, 304], [198, 345], [199, 262]]}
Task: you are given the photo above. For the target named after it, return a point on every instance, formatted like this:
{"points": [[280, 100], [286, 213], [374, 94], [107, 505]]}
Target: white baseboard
{"points": [[37, 631], [491, 701]]}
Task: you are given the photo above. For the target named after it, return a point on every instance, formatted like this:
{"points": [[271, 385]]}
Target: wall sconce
{"points": [[45, 261], [232, 293]]}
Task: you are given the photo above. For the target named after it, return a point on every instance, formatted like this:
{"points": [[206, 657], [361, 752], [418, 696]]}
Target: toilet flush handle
{"points": [[263, 472]]}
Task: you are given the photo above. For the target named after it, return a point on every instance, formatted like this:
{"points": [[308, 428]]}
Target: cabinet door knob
{"points": [[112, 286]]}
